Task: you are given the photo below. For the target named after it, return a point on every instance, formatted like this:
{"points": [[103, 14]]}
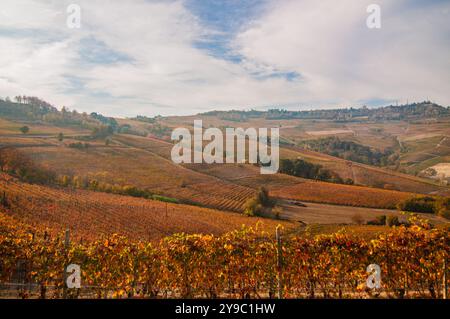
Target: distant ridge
{"points": [[425, 109]]}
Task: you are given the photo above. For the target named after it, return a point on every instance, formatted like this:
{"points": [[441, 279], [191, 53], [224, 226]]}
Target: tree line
{"points": [[37, 110], [304, 169], [352, 151], [23, 167], [427, 204]]}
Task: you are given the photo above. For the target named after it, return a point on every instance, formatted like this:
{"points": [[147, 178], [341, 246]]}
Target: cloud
{"points": [[143, 57], [341, 60]]}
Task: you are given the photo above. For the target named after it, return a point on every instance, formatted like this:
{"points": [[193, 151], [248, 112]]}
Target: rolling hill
{"points": [[90, 215], [136, 153]]}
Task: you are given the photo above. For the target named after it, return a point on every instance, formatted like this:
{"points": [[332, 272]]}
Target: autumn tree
{"points": [[24, 129], [443, 207], [259, 204]]}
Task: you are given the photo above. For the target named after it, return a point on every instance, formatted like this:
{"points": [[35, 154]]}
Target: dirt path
{"points": [[442, 141]]}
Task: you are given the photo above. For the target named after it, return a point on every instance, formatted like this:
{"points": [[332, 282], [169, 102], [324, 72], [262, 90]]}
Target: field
{"points": [[330, 132], [421, 143], [143, 168], [319, 192], [91, 215], [322, 214], [12, 128], [145, 163]]}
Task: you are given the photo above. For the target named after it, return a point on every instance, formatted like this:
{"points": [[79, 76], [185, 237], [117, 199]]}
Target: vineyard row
{"points": [[240, 264]]}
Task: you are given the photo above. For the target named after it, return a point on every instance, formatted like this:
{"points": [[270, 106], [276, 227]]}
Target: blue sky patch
{"points": [[227, 18], [93, 51], [225, 15]]}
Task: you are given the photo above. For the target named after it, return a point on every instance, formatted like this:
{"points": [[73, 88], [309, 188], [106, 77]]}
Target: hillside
{"points": [[319, 192], [136, 153], [224, 187], [367, 175], [90, 215]]}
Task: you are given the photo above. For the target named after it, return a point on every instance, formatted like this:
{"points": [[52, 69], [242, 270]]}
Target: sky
{"points": [[180, 57]]}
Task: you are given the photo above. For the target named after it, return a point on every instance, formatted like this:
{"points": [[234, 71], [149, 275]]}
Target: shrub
{"points": [[79, 145], [264, 199], [102, 131], [135, 192], [252, 207], [65, 180], [24, 129], [425, 204], [23, 167], [443, 207], [357, 219], [392, 221], [349, 181], [165, 199], [259, 204], [277, 212], [379, 220]]}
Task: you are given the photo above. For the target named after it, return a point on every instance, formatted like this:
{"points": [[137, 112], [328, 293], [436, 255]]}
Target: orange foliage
{"points": [[239, 264], [320, 192], [90, 214]]}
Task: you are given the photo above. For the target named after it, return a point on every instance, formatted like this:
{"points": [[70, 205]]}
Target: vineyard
{"points": [[146, 170], [145, 163], [224, 197], [91, 214], [367, 175], [246, 263], [320, 192]]}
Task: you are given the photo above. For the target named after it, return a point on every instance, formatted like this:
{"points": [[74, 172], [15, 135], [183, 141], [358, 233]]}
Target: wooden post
{"points": [[279, 263], [166, 210], [66, 249], [444, 280], [406, 284], [67, 239], [3, 200]]}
